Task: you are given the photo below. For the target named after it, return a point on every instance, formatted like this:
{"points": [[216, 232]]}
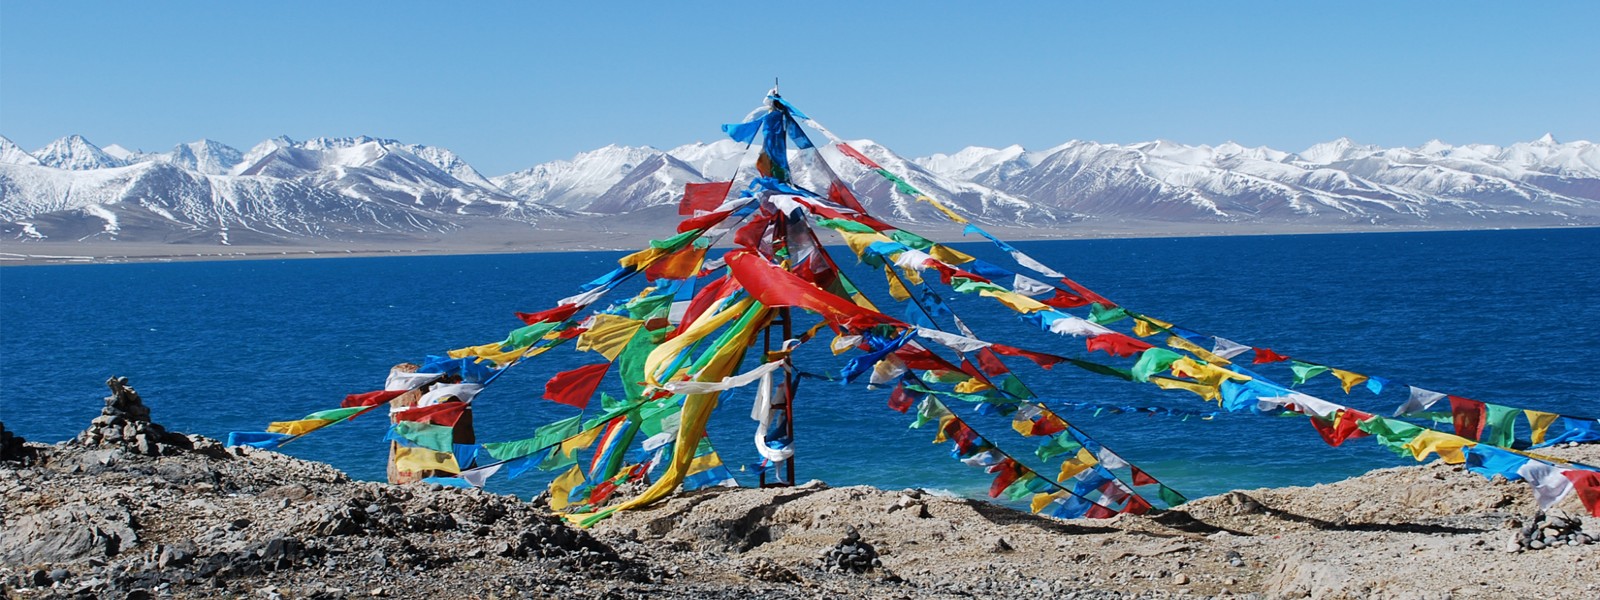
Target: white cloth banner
{"points": [[727, 383], [1549, 485], [886, 370], [1111, 460], [476, 477], [955, 342], [1076, 326], [1227, 348], [1029, 286], [585, 298], [761, 412], [407, 381], [462, 391], [987, 458], [913, 259], [1419, 401], [1036, 266], [1307, 405]]}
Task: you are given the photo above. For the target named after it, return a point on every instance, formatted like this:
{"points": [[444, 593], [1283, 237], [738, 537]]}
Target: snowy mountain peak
{"points": [[1547, 139], [74, 153], [206, 156], [12, 154]]}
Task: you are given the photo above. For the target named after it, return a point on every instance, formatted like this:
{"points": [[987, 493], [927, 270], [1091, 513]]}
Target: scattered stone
{"points": [[1548, 531]]}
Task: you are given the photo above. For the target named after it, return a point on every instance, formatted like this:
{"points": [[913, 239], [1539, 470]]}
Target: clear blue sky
{"points": [[508, 85]]}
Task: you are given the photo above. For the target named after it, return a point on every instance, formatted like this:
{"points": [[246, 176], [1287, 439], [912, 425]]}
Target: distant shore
{"points": [[33, 253]]}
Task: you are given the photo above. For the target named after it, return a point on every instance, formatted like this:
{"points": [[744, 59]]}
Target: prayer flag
{"points": [[371, 398], [1468, 416], [573, 388], [1266, 355]]}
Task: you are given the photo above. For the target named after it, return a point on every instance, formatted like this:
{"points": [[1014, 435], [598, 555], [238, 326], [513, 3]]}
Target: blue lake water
{"points": [[1501, 316]]}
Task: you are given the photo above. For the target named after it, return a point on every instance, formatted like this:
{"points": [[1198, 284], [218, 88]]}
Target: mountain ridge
{"points": [[288, 192]]}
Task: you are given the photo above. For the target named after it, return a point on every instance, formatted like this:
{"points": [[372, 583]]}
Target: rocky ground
{"points": [[128, 510]]}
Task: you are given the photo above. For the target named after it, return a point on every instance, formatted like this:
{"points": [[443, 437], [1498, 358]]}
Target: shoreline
{"points": [[13, 254]]}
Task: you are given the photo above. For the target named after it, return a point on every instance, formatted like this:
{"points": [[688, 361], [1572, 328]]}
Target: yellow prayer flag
{"points": [[1147, 326], [641, 259], [1448, 446], [897, 290], [608, 335], [1539, 423], [1015, 301], [300, 427], [580, 441], [972, 386], [949, 255], [1206, 392], [703, 463], [1192, 348], [858, 241], [489, 348], [412, 459], [943, 421], [947, 212], [1042, 500], [1077, 464], [561, 488], [1348, 379]]}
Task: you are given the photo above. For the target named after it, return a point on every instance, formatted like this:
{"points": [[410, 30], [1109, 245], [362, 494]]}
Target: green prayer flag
{"points": [[334, 414], [428, 435], [1057, 445], [556, 460], [910, 239], [544, 437], [1094, 367], [1502, 425], [1020, 488], [899, 184], [1152, 361], [1305, 371], [1100, 315], [968, 286], [845, 225], [675, 242], [630, 362], [1391, 433], [929, 410], [526, 336], [1171, 496]]}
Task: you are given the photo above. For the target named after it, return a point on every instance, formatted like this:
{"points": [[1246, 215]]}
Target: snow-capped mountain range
{"points": [[289, 192]]}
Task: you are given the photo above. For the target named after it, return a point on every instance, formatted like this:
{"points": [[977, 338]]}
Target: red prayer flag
{"points": [[1587, 484], [1007, 471], [704, 221], [1116, 344], [1045, 361], [371, 398], [965, 438], [860, 158], [991, 364], [443, 413], [1142, 478], [1469, 416], [559, 313], [840, 194], [900, 400], [922, 359], [1136, 506], [703, 196], [1097, 511], [774, 287], [1088, 294], [1266, 355], [1064, 300], [1047, 424], [573, 388], [1345, 424]]}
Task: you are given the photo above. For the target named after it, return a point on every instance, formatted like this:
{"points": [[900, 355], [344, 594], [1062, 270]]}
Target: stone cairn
{"points": [[125, 423], [1549, 531], [850, 555]]}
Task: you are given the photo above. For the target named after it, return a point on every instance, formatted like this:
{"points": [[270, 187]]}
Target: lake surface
{"points": [[1506, 317]]}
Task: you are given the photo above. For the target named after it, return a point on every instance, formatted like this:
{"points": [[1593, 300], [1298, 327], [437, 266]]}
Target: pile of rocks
{"points": [[125, 423], [850, 555], [1549, 531]]}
